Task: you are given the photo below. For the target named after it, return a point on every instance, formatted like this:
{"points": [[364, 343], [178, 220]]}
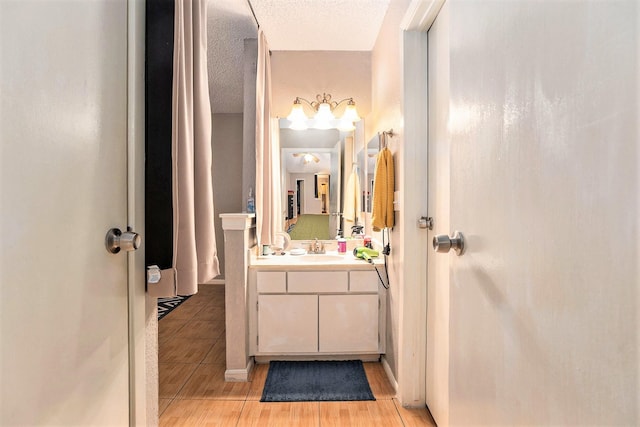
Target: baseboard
{"points": [[373, 357], [239, 375], [387, 370]]}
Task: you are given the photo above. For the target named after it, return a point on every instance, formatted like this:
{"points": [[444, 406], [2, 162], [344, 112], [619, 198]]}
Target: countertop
{"points": [[331, 259]]}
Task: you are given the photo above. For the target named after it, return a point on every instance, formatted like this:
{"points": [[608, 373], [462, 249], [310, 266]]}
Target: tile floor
{"points": [[193, 391]]}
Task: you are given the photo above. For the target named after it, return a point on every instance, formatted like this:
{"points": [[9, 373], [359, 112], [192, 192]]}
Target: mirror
{"points": [[311, 181], [366, 159], [315, 165]]}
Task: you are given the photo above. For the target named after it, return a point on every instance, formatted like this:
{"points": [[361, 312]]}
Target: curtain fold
{"points": [[267, 194], [194, 253]]}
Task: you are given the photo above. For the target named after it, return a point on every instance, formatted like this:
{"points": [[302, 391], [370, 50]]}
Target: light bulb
{"points": [[323, 117], [296, 114], [324, 112], [350, 113]]}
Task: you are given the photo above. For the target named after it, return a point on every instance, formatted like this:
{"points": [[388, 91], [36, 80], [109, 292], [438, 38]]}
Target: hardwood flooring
{"points": [[193, 391]]}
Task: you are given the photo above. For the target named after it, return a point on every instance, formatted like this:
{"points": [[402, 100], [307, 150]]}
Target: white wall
{"points": [[306, 74], [387, 99], [227, 167], [545, 147]]}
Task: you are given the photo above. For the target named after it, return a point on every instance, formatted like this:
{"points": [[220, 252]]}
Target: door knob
{"points": [[444, 243], [116, 241]]}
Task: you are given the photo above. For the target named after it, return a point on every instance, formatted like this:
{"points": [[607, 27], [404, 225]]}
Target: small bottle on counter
{"points": [[251, 204], [342, 245]]}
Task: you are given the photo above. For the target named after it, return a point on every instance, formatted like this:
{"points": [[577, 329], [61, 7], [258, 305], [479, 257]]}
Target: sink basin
{"points": [[321, 258]]}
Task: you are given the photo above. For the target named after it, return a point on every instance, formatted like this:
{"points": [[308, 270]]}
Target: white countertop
{"points": [[330, 259]]}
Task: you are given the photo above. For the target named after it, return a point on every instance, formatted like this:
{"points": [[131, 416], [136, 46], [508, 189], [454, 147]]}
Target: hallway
{"points": [[193, 391]]}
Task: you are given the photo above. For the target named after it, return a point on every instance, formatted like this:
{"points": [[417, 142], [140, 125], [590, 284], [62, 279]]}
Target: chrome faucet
{"points": [[316, 247]]}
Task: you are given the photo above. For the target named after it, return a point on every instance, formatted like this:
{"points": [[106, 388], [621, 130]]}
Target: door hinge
{"points": [[256, 305]]}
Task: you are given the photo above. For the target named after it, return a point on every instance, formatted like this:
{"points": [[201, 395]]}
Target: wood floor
{"points": [[193, 391]]}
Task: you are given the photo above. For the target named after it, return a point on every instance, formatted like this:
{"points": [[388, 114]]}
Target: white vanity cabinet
{"points": [[324, 312]]}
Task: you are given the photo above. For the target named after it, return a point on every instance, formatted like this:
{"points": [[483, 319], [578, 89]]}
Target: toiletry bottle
{"points": [[251, 204], [342, 245]]}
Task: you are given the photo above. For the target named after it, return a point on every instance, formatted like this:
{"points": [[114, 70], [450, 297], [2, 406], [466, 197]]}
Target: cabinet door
{"points": [[348, 323], [287, 323]]}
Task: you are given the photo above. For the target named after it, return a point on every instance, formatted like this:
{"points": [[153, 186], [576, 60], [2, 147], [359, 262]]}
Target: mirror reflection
{"points": [[367, 164], [311, 181]]}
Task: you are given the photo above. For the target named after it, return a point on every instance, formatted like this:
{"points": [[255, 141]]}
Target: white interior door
{"points": [[64, 331], [540, 146], [437, 361]]}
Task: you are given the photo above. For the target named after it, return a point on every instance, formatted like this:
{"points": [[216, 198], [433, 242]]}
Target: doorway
{"points": [[299, 197]]}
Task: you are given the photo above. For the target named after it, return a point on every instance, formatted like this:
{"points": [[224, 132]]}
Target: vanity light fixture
{"points": [[324, 117]]}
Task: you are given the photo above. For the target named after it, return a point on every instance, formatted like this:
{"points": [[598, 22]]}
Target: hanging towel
{"points": [[352, 209], [383, 186]]}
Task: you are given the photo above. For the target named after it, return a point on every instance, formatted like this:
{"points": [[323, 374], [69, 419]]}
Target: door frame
{"points": [[139, 401], [413, 302]]}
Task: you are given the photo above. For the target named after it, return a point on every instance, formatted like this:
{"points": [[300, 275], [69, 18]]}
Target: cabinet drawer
{"points": [[363, 281], [272, 282], [318, 281]]}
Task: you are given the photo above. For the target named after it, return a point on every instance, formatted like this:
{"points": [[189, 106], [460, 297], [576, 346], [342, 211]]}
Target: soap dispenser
{"points": [[251, 204]]}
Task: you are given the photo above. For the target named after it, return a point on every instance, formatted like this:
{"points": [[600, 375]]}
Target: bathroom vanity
{"points": [[315, 307]]}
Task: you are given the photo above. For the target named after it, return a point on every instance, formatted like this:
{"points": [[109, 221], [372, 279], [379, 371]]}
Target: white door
{"points": [[64, 331], [540, 172], [437, 369]]}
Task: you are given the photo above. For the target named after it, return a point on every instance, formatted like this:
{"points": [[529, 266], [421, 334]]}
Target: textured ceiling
{"points": [[320, 24], [229, 23], [300, 25]]}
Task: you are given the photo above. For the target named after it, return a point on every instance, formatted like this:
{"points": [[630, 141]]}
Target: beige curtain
{"points": [[194, 252], [268, 215]]}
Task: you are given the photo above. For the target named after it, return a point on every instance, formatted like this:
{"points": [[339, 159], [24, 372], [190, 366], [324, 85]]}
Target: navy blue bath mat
{"points": [[166, 305], [331, 380]]}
